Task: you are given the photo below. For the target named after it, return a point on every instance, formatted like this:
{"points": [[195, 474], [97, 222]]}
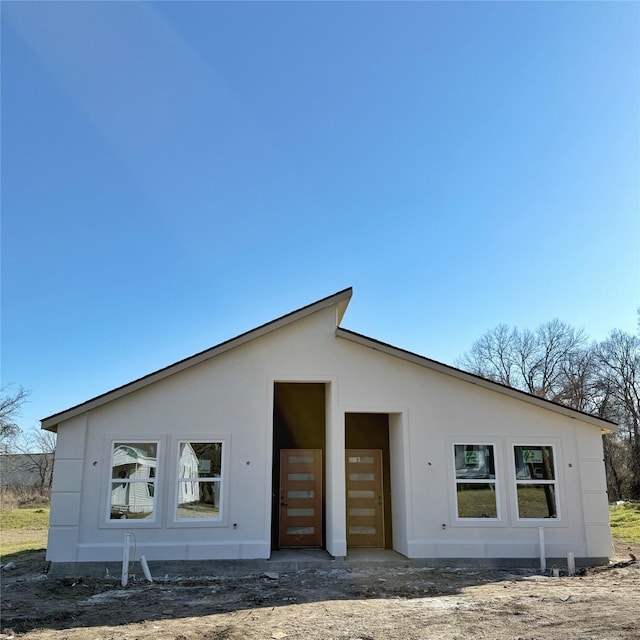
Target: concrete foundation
{"points": [[295, 560]]}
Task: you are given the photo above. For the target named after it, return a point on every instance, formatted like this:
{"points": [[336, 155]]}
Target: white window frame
{"points": [[496, 481], [128, 523], [222, 520], [537, 481]]}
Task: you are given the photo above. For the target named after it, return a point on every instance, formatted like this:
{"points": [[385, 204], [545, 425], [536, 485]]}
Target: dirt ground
{"points": [[313, 604]]}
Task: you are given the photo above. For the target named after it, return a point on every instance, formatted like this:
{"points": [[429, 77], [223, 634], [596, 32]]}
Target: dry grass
{"points": [[24, 520], [14, 497], [625, 521], [23, 529]]}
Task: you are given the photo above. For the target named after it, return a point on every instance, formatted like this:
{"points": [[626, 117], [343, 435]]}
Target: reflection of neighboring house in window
{"points": [[188, 491], [133, 466]]}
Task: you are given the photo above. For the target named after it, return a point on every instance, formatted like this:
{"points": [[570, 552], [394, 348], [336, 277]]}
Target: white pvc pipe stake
{"points": [[145, 569], [125, 559], [571, 564], [543, 558]]}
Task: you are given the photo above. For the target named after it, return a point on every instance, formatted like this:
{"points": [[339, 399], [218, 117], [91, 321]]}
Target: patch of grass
{"points": [[625, 521], [23, 530]]}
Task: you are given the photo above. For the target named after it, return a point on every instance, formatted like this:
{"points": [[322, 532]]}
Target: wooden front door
{"points": [[300, 498], [365, 510]]}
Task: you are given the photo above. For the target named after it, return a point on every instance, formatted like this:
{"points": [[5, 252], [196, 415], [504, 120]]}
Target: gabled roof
{"points": [[340, 300], [604, 425]]}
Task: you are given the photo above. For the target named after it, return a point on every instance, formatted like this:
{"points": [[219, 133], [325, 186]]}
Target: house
{"points": [[301, 433]]}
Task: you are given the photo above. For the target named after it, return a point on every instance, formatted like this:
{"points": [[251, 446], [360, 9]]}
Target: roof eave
{"points": [[340, 300], [604, 425]]}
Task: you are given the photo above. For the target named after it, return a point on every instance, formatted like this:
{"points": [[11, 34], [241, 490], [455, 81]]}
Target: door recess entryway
{"points": [[298, 482]]}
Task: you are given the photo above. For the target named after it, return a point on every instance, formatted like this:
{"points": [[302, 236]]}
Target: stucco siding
{"points": [[445, 409], [68, 476], [65, 509], [230, 398], [68, 480]]}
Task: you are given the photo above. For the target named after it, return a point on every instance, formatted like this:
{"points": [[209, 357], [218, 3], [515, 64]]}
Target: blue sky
{"points": [[174, 174]]}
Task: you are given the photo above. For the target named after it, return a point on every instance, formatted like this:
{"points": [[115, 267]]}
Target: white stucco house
{"points": [[301, 433]]}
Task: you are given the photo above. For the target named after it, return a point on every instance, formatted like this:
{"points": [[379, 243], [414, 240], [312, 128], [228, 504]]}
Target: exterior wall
{"points": [[400, 482], [231, 398], [440, 410], [69, 471]]}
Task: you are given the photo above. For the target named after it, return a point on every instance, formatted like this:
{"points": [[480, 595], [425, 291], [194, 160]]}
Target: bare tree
{"points": [[494, 356], [619, 360], [10, 406], [546, 355], [616, 463], [38, 449], [557, 362], [537, 362]]}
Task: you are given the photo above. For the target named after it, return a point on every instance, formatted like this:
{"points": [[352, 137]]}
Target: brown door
{"points": [[364, 498], [300, 498]]}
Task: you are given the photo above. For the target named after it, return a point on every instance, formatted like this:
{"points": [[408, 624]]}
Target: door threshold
{"points": [[374, 555]]}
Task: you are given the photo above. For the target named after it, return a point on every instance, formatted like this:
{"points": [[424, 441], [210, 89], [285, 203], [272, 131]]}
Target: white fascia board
{"points": [[604, 425]]}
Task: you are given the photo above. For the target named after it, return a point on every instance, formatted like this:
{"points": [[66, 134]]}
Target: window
{"points": [[475, 481], [199, 481], [133, 480], [536, 482]]}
